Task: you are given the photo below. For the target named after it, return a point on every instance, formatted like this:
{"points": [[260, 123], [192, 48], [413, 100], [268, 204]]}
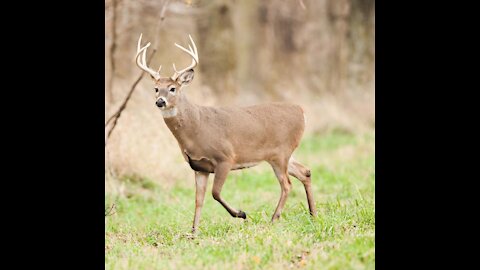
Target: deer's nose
{"points": [[160, 103]]}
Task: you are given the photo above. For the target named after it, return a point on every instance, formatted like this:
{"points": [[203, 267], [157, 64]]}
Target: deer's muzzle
{"points": [[161, 103]]}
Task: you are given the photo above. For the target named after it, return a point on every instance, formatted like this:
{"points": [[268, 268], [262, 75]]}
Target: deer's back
{"points": [[256, 132]]}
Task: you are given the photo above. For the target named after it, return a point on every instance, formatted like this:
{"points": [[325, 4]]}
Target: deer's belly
{"points": [[201, 165], [240, 166]]}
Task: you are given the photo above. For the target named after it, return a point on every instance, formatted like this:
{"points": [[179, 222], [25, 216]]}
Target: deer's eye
{"points": [[172, 90], [156, 90]]}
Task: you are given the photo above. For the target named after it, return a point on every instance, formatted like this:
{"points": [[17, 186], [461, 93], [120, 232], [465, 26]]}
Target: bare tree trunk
{"points": [[339, 10], [217, 41], [246, 27], [114, 118], [113, 47]]}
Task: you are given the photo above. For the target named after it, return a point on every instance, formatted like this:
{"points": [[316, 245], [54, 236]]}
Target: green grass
{"points": [[150, 227]]}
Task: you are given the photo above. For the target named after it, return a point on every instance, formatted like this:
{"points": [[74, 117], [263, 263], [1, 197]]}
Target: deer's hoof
{"points": [[241, 214]]}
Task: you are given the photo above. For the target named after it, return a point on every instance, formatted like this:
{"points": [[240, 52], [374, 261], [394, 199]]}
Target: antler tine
{"points": [[142, 49], [139, 42], [144, 58], [194, 48], [192, 52], [142, 63], [139, 57]]}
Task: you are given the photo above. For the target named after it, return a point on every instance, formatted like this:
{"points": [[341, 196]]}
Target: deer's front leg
{"points": [[201, 180], [280, 169], [221, 172]]}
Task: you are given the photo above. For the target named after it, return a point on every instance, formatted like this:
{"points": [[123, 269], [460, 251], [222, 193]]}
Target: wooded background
{"points": [[316, 53]]}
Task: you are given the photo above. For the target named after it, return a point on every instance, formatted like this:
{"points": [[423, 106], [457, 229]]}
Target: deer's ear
{"points": [[186, 77]]}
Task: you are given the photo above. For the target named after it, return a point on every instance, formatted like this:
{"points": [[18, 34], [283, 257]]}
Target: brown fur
{"points": [[220, 139], [237, 135]]}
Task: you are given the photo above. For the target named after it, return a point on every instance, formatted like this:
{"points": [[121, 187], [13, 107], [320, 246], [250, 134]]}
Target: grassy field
{"points": [[150, 227]]}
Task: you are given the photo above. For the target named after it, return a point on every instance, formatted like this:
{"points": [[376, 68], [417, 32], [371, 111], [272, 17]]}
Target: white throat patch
{"points": [[169, 113]]}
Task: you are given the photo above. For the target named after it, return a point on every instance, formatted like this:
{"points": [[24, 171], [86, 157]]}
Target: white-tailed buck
{"points": [[220, 139]]}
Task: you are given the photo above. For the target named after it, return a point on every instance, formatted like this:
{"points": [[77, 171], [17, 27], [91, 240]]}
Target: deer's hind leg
{"points": [[302, 173]]}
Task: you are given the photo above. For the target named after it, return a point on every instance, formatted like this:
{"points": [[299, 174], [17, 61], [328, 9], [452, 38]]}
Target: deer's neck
{"points": [[184, 121]]}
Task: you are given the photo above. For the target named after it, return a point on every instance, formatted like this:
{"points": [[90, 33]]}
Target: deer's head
{"points": [[168, 89]]}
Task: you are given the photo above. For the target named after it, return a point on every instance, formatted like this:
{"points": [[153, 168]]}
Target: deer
{"points": [[217, 140]]}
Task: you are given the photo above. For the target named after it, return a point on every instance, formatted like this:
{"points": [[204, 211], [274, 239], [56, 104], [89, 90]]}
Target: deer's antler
{"points": [[141, 61], [192, 52]]}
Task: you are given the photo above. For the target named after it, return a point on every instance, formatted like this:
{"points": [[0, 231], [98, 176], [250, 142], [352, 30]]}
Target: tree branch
{"points": [[302, 4], [109, 212], [113, 47], [118, 113], [162, 12]]}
